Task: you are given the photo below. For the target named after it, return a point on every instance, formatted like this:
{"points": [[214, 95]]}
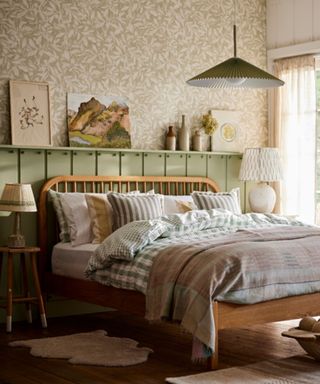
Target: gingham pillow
{"points": [[213, 200], [125, 243], [127, 208]]}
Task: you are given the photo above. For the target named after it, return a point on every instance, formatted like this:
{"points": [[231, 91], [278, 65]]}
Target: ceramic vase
{"points": [[184, 139]]}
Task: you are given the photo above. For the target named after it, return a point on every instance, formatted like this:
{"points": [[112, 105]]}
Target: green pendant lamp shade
{"points": [[235, 73]]}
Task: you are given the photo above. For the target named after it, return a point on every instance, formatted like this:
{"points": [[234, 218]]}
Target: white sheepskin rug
{"points": [[91, 348]]}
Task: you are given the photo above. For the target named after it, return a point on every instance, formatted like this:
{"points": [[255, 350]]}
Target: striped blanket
{"points": [[248, 266]]}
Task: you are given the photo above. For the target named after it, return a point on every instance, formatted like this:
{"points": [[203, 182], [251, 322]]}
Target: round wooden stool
{"points": [[26, 298]]}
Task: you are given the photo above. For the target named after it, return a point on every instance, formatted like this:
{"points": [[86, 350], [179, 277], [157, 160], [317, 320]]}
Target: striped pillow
{"points": [[101, 216], [225, 200], [127, 208]]}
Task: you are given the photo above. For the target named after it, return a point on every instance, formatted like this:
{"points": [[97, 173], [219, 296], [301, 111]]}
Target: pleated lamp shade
{"points": [[17, 198], [261, 164], [235, 73]]}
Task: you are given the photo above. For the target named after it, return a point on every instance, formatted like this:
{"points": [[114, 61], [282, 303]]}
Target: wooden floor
{"points": [[171, 347]]}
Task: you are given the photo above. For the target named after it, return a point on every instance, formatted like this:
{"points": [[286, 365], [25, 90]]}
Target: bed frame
{"points": [[226, 315]]}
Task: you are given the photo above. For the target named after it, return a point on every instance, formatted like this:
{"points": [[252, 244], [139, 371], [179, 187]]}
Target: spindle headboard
{"points": [[167, 185]]}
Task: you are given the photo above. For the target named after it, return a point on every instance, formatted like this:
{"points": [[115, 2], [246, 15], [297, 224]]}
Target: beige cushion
{"points": [[100, 212]]}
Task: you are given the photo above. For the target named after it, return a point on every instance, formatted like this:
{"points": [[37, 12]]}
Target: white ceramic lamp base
{"points": [[262, 198]]}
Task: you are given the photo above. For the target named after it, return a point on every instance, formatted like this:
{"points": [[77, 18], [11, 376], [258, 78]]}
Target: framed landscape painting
{"points": [[30, 113], [98, 121]]}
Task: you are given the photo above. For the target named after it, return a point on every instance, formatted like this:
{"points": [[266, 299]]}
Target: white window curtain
{"points": [[294, 132]]}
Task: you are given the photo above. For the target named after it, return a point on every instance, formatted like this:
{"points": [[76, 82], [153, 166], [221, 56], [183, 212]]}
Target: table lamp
{"points": [[17, 198], [262, 165]]}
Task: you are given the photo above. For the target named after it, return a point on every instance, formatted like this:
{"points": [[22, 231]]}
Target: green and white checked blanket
{"points": [[191, 227], [210, 255]]}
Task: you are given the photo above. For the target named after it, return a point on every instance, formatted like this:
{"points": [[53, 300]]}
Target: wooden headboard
{"points": [[167, 185]]}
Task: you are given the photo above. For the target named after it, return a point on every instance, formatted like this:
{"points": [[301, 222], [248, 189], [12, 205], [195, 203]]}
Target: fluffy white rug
{"points": [[91, 348]]}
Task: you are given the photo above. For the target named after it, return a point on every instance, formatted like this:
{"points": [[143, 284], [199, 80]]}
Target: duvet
{"points": [[202, 256]]}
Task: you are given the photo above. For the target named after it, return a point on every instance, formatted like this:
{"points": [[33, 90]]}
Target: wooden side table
{"points": [[33, 252]]}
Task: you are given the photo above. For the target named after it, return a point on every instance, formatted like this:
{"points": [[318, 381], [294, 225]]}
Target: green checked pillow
{"points": [[55, 197], [125, 243]]}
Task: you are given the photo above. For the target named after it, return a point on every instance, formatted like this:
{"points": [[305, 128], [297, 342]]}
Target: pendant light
{"points": [[235, 73]]}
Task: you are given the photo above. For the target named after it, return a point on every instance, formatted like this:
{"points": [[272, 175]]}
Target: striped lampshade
{"points": [[17, 198], [261, 164]]}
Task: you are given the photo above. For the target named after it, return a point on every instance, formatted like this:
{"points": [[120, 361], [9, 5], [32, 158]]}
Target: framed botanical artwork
{"points": [[226, 137], [30, 113], [98, 121]]}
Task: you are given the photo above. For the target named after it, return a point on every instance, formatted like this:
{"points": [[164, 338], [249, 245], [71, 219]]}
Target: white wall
{"points": [[291, 22]]}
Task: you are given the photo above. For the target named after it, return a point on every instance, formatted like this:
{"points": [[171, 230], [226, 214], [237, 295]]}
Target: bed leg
{"points": [[213, 361]]}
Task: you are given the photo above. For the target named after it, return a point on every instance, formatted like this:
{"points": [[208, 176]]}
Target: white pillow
{"points": [[75, 207], [177, 204]]}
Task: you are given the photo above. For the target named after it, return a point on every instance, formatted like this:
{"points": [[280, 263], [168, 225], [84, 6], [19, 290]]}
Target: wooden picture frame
{"points": [[30, 113]]}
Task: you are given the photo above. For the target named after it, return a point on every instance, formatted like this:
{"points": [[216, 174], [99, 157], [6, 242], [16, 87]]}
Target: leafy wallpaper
{"points": [[143, 50]]}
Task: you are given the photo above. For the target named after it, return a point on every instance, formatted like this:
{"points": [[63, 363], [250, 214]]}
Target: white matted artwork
{"points": [[30, 113], [227, 136]]}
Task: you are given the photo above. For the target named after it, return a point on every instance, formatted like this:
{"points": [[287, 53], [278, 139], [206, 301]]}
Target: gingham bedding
{"points": [[185, 228]]}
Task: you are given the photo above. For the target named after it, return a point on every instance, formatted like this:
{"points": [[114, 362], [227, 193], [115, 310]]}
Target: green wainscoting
{"points": [[35, 165]]}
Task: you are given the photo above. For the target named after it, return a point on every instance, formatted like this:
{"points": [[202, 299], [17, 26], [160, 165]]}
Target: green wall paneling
{"points": [[9, 173], [108, 163], [217, 170], [153, 164], [8, 167], [83, 163], [32, 170], [233, 169], [58, 163], [131, 163], [176, 164], [196, 165]]}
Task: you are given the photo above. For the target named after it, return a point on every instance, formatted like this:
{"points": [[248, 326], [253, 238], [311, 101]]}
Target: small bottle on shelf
{"points": [[171, 139]]}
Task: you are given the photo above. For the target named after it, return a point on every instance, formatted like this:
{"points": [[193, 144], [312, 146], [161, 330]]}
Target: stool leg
{"points": [[9, 291], [26, 286], [38, 290]]}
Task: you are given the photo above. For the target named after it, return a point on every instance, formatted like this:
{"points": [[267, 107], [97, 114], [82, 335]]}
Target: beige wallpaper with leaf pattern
{"points": [[144, 50]]}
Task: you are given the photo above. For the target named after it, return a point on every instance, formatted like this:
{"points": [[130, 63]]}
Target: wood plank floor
{"points": [[171, 347]]}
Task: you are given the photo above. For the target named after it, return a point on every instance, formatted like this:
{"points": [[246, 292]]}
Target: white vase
{"points": [[184, 139], [197, 141]]}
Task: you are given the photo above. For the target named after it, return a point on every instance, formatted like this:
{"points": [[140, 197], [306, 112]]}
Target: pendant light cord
{"points": [[234, 30]]}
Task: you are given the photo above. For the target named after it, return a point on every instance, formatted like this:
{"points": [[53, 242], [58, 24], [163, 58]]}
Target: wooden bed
{"points": [[226, 315]]}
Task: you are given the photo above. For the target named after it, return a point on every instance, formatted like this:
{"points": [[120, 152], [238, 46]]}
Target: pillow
{"points": [[212, 200], [76, 211], [101, 216], [127, 208], [125, 243], [55, 197], [177, 204]]}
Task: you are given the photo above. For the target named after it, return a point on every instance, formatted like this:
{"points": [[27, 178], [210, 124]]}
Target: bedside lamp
{"points": [[17, 198], [261, 165]]}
